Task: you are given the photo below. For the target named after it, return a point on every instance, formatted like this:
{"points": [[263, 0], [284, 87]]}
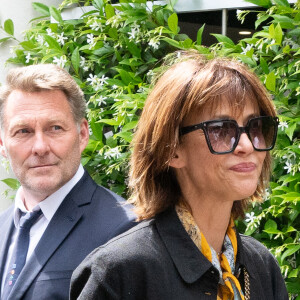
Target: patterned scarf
{"points": [[229, 287]]}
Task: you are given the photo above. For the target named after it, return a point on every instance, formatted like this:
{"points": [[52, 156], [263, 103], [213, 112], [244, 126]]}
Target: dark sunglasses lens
{"points": [[262, 132], [222, 135]]}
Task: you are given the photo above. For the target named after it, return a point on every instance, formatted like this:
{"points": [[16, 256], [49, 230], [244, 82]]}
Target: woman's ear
{"points": [[177, 160]]}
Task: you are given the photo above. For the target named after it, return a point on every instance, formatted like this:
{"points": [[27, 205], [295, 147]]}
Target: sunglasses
{"points": [[222, 136]]}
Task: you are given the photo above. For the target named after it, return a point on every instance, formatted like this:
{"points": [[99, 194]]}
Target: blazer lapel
{"points": [[62, 223], [6, 230]]}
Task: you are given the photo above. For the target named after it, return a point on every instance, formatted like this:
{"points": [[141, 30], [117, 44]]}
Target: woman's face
{"points": [[232, 176]]}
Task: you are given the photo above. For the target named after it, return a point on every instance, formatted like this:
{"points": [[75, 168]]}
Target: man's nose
{"points": [[40, 145]]}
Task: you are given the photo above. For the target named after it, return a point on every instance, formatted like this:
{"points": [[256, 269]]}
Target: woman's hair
{"points": [[189, 85], [41, 77]]}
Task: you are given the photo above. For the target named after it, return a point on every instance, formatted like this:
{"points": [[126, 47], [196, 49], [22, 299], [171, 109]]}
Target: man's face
{"points": [[41, 140]]}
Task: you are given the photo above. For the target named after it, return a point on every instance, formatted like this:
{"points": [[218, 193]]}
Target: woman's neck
{"points": [[212, 218]]}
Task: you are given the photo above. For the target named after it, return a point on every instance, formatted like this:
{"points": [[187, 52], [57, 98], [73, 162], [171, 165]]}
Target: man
{"points": [[43, 133]]}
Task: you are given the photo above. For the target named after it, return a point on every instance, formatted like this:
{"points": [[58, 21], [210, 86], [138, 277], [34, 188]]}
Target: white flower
{"points": [[245, 50], [288, 166], [50, 32], [28, 57], [103, 79], [101, 100], [250, 217], [95, 26], [92, 79], [61, 38], [82, 61], [91, 40], [238, 11], [154, 43], [40, 39], [114, 87], [60, 61], [112, 153], [132, 34], [96, 82], [283, 125]]}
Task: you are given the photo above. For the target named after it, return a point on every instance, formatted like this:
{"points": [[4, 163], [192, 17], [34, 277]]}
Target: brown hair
{"points": [[40, 77], [188, 85]]}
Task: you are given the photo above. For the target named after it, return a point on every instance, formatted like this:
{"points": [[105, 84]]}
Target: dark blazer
{"points": [[89, 216], [158, 260]]}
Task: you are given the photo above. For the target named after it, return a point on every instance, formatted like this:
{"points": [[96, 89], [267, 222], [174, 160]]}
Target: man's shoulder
{"points": [[7, 213]]}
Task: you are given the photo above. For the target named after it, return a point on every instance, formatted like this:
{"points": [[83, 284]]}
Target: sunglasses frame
{"points": [[240, 130]]}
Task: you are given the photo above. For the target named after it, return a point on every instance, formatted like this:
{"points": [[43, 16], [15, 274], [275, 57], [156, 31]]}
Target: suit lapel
{"points": [[62, 223], [6, 229]]}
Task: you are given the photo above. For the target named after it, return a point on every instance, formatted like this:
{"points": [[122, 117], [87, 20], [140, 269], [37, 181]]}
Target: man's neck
{"points": [[31, 199]]}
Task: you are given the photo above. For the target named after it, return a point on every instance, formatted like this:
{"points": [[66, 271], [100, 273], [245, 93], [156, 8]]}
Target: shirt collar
{"points": [[51, 203]]}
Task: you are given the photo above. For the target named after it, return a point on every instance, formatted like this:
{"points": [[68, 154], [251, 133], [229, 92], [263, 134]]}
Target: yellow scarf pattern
{"points": [[229, 287]]}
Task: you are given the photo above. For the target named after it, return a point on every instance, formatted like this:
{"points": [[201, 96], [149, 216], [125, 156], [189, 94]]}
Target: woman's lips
{"points": [[244, 167]]}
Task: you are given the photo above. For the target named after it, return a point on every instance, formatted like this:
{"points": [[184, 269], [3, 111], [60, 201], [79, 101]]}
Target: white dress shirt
{"points": [[48, 207]]}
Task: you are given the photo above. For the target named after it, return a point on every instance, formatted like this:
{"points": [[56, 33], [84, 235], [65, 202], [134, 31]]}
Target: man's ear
{"points": [[178, 160], [84, 134]]}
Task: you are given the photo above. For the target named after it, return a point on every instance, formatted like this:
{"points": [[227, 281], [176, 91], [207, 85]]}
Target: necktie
{"points": [[20, 251]]}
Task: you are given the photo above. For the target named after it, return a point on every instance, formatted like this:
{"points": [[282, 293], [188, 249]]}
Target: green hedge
{"points": [[113, 52]]}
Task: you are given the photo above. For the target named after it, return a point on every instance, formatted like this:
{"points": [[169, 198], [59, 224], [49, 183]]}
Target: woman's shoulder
{"points": [[136, 243], [256, 253]]}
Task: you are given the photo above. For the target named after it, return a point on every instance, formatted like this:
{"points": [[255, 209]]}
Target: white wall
{"points": [[21, 12]]}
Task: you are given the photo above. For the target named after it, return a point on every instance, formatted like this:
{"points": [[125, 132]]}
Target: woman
{"points": [[200, 154]]}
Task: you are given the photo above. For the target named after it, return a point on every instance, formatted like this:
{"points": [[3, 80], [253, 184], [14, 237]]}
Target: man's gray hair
{"points": [[42, 77]]}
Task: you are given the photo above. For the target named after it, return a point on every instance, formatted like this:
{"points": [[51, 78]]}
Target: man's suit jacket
{"points": [[89, 216]]}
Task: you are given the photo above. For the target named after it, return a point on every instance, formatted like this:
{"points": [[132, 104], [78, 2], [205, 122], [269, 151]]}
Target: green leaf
{"points": [[111, 122], [223, 39], [199, 35], [98, 4], [133, 49], [285, 22], [264, 65], [270, 224], [173, 23], [262, 3], [5, 39], [278, 34], [52, 43], [292, 249], [290, 130], [12, 183], [109, 11], [41, 8], [27, 45], [9, 26], [129, 126], [282, 3], [127, 136], [54, 12], [271, 81], [113, 33], [172, 42], [75, 59], [260, 20]]}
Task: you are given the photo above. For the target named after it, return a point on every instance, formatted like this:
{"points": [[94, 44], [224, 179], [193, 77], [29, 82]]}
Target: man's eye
{"points": [[22, 131], [56, 127]]}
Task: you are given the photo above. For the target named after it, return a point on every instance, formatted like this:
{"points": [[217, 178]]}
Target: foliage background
{"points": [[113, 51]]}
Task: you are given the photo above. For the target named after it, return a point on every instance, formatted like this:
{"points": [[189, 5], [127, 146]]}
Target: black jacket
{"points": [[158, 260]]}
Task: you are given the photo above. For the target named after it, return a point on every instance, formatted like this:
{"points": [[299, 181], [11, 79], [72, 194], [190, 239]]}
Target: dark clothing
{"points": [[89, 216], [158, 260]]}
